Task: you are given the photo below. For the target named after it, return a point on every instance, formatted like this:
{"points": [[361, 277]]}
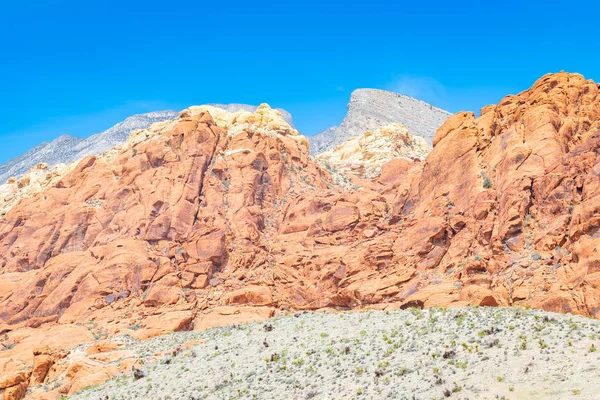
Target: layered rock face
{"points": [[365, 155], [371, 109], [217, 218], [503, 205]]}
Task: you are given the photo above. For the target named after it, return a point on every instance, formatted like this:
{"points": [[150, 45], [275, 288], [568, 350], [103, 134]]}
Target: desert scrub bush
{"points": [[275, 357], [7, 346], [298, 362], [486, 181], [592, 348], [461, 364], [456, 388], [386, 338], [389, 352], [416, 312], [135, 326]]}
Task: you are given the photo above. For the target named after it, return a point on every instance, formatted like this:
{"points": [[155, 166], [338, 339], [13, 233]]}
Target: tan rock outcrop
{"points": [[365, 155], [35, 181]]}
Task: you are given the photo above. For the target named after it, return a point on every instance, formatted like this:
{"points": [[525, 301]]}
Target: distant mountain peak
{"points": [[371, 109]]}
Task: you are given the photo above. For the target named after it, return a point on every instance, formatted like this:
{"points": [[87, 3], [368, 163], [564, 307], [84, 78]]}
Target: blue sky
{"points": [[78, 67]]}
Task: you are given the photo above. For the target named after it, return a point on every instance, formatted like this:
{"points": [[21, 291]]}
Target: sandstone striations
{"points": [[175, 222], [220, 218], [370, 109]]}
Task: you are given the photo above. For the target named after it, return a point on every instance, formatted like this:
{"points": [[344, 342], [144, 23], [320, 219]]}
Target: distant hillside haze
{"points": [[371, 109]]}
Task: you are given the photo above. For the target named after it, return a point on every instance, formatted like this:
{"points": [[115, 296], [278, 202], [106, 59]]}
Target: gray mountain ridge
{"points": [[67, 148], [6, 167], [322, 140], [373, 108]]}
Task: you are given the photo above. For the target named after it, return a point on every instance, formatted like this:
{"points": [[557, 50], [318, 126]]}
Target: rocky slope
{"points": [[473, 353], [181, 202], [20, 160], [370, 109], [219, 218]]}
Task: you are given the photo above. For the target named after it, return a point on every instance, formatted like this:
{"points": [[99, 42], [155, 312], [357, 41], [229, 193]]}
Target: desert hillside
{"points": [[219, 218]]}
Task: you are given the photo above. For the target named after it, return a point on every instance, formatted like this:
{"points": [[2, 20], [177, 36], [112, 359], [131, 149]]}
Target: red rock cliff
{"points": [[218, 217]]}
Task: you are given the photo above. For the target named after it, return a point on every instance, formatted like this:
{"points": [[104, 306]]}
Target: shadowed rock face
{"points": [[371, 109], [218, 218]]}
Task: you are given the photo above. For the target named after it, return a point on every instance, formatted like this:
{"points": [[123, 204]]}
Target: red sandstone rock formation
{"points": [[216, 219]]}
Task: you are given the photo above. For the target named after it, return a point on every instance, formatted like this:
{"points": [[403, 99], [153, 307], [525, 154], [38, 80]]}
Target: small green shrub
{"points": [[487, 184]]}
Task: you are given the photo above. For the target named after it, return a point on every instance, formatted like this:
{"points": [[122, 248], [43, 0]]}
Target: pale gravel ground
{"points": [[469, 353]]}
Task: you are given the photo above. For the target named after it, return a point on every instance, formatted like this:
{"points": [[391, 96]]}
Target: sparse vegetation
{"points": [[487, 184], [454, 353]]}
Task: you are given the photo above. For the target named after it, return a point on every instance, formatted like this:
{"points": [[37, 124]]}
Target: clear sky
{"points": [[78, 67]]}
